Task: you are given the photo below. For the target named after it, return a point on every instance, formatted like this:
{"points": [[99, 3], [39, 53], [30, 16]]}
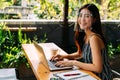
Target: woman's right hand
{"points": [[57, 57]]}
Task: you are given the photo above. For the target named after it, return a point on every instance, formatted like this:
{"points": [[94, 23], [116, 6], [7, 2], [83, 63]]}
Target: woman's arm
{"points": [[96, 45], [73, 55]]}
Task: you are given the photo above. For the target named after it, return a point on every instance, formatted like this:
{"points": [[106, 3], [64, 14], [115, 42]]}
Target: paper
{"points": [[8, 74], [74, 75]]}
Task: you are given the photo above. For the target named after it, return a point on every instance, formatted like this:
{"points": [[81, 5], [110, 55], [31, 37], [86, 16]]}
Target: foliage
{"points": [[49, 10], [9, 16], [73, 8], [5, 3], [113, 50], [11, 54], [53, 9], [16, 2], [109, 9]]}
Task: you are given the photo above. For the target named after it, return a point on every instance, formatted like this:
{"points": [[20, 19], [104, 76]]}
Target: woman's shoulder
{"points": [[96, 38]]}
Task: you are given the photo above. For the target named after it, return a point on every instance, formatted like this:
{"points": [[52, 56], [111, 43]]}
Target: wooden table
{"points": [[32, 55]]}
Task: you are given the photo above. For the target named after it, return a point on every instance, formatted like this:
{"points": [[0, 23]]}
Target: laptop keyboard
{"points": [[52, 64]]}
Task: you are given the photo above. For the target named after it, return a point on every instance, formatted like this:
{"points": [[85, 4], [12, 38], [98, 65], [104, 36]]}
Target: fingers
{"points": [[54, 58], [60, 64], [63, 63]]}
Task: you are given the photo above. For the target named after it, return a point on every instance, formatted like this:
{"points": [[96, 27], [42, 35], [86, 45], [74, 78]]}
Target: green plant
{"points": [[113, 50], [48, 10], [109, 9], [5, 3], [118, 49], [11, 54], [53, 9]]}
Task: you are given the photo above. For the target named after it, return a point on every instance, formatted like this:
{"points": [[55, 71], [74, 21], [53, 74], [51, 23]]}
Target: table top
{"points": [[32, 55]]}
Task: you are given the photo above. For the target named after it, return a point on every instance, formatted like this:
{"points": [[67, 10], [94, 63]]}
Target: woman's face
{"points": [[85, 19]]}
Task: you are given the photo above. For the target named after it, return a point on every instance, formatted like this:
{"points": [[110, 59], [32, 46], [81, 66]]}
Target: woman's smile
{"points": [[85, 19]]}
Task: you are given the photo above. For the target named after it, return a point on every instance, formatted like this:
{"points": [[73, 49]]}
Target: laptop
{"points": [[47, 63]]}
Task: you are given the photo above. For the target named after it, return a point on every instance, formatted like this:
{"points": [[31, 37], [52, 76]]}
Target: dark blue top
{"points": [[106, 73]]}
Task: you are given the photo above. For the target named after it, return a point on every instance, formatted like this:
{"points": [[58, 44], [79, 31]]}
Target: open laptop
{"points": [[47, 63]]}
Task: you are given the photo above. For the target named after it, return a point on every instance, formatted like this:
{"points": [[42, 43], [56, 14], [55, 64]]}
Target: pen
{"points": [[74, 74]]}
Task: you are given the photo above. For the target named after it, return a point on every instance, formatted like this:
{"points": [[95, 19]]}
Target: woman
{"points": [[90, 44]]}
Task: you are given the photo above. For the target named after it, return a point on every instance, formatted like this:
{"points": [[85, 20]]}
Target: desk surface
{"points": [[32, 55]]}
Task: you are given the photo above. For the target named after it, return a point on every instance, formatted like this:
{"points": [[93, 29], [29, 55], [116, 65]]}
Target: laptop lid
{"points": [[44, 59], [41, 55]]}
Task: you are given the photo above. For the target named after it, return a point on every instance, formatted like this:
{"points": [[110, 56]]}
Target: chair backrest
{"points": [[116, 75]]}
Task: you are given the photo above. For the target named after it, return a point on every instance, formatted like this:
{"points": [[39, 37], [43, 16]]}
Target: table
{"points": [[32, 55]]}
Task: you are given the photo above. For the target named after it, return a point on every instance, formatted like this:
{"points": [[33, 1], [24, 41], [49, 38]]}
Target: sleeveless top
{"points": [[106, 73]]}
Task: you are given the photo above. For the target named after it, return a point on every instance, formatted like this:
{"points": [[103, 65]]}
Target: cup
{"points": [[54, 51]]}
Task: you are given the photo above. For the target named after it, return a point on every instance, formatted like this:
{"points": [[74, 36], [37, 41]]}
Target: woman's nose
{"points": [[82, 18]]}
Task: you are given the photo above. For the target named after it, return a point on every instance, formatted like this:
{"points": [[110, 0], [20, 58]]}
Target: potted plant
{"points": [[114, 54]]}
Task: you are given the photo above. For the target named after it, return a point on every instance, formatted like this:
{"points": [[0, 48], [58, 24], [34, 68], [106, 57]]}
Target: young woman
{"points": [[90, 44]]}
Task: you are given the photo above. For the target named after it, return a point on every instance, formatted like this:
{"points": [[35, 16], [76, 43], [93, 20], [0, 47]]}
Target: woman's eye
{"points": [[84, 15], [87, 16]]}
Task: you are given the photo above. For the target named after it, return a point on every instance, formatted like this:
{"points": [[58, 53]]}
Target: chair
{"points": [[116, 75]]}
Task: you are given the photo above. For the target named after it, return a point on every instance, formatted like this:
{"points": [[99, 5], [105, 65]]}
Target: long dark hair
{"points": [[96, 26]]}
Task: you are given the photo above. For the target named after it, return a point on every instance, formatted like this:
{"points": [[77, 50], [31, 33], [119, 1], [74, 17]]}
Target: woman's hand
{"points": [[64, 63], [57, 57]]}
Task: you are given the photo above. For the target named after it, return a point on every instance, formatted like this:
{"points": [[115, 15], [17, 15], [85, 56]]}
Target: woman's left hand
{"points": [[64, 63]]}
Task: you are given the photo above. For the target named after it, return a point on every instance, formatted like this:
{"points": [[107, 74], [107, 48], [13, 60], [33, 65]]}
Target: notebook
{"points": [[47, 63], [73, 75], [8, 74]]}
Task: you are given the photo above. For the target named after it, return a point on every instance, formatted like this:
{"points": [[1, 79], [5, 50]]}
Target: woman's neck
{"points": [[87, 34]]}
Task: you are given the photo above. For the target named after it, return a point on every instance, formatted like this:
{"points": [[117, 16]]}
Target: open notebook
{"points": [[73, 75]]}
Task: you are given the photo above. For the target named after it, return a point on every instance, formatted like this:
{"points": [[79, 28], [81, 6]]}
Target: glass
{"points": [[85, 15]]}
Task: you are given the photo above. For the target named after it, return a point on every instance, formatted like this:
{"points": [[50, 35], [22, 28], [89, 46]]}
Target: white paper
{"points": [[82, 76], [8, 74]]}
